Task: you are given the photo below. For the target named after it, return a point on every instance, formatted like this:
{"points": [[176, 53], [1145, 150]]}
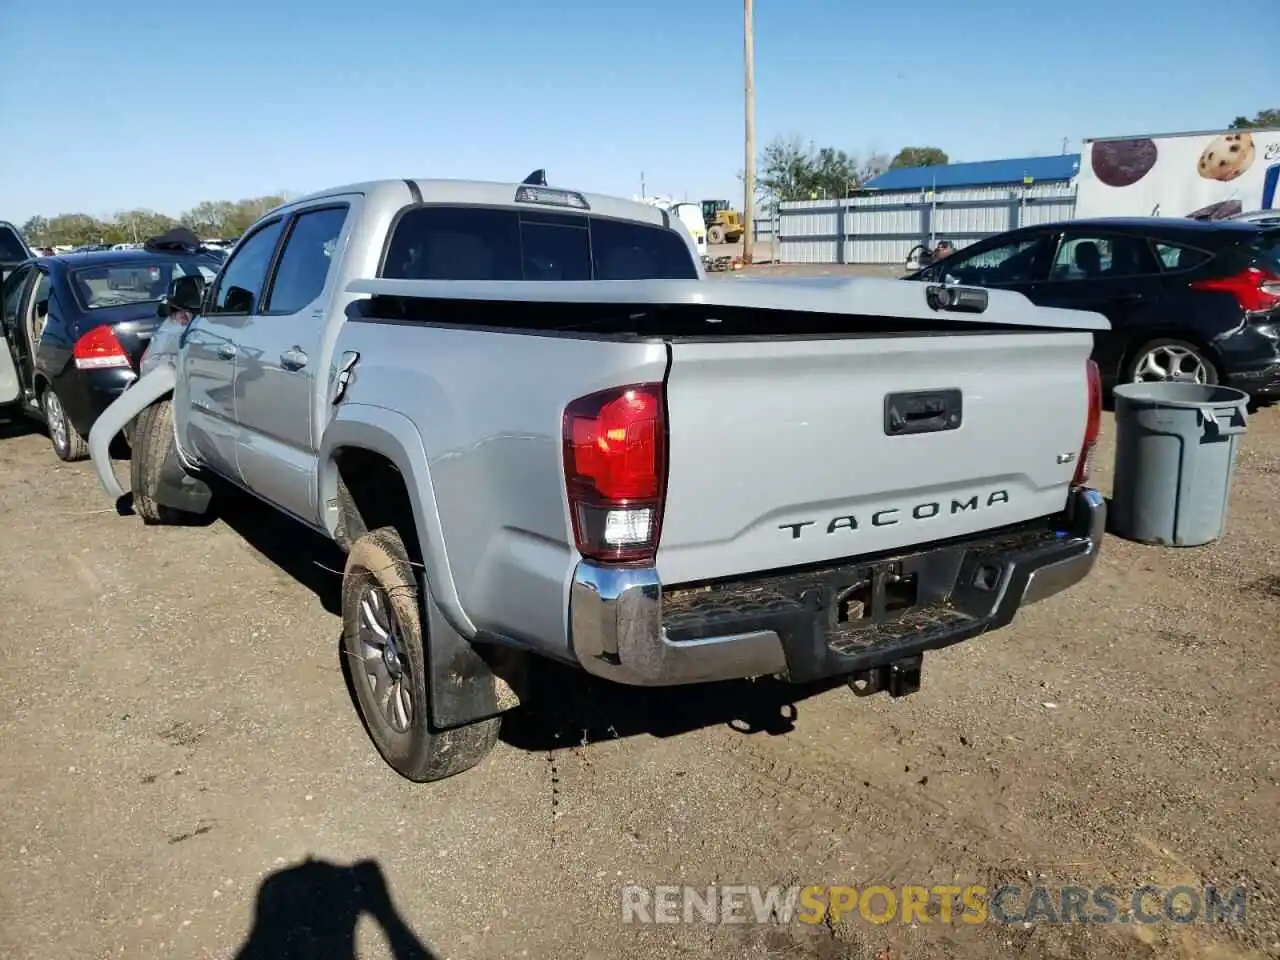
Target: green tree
{"points": [[791, 170], [36, 231], [246, 212], [134, 226], [1264, 118], [918, 157], [75, 229]]}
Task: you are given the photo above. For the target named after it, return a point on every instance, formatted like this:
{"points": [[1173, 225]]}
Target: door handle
{"points": [[293, 359], [227, 351]]}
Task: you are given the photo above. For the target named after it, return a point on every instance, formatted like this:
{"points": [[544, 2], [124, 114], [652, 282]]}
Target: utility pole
{"points": [[642, 193], [749, 172]]}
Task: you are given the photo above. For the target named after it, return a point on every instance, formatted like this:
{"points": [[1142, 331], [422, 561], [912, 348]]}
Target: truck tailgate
{"points": [[780, 453]]}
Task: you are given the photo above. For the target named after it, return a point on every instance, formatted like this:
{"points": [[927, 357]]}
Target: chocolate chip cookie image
{"points": [[1122, 163], [1226, 157]]}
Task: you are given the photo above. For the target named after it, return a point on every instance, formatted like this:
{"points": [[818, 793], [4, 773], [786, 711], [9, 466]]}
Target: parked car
{"points": [[13, 249], [537, 429], [1187, 299], [1269, 218], [75, 327]]}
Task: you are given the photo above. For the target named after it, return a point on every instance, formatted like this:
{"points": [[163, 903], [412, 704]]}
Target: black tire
{"points": [[1174, 346], [151, 441], [377, 572], [715, 235], [67, 443]]}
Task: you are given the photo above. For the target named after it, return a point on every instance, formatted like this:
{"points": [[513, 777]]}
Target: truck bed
{"points": [[807, 422]]}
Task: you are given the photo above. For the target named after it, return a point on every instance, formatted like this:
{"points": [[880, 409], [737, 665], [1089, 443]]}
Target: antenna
{"points": [[536, 179]]}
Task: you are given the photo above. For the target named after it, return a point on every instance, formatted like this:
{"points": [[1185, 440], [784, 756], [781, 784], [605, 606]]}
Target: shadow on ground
{"points": [[570, 707], [314, 561], [310, 911], [565, 705], [14, 424]]}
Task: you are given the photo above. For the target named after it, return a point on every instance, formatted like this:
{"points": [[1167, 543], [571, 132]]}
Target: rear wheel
{"points": [[1169, 360], [151, 439], [385, 647], [67, 443]]}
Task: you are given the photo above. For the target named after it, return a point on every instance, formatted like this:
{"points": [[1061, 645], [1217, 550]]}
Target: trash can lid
{"points": [[1173, 393]]}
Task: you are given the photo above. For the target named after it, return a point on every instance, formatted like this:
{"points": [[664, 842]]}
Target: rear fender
{"points": [[464, 685], [143, 392]]}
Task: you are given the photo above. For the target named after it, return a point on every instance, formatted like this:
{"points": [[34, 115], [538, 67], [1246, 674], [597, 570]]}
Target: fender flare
{"points": [[143, 392], [394, 436]]}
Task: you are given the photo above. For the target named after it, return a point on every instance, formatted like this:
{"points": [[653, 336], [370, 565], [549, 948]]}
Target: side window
{"points": [[240, 287], [1103, 258], [1018, 262], [306, 258], [39, 307], [1179, 258]]}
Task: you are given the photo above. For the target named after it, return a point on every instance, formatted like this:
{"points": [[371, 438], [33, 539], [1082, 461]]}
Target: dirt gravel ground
{"points": [[184, 774]]}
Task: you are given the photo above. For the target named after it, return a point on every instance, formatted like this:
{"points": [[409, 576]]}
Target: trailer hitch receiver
{"points": [[900, 678]]}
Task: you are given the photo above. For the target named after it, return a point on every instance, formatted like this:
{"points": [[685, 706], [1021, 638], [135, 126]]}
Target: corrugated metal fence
{"points": [[882, 228]]}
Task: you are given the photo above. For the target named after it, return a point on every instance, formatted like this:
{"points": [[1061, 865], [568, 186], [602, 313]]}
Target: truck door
{"points": [[282, 362], [205, 402], [14, 373]]}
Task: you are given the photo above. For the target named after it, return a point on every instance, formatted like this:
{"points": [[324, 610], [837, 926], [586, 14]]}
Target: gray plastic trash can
{"points": [[1175, 455]]}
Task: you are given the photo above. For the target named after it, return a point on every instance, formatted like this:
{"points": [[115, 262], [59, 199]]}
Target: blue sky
{"points": [[109, 106]]}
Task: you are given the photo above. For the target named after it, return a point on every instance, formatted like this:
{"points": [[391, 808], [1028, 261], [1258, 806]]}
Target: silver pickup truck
{"points": [[537, 429]]}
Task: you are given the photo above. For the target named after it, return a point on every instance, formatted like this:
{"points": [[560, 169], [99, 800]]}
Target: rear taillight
{"points": [[1257, 290], [615, 470], [1092, 424], [99, 349]]}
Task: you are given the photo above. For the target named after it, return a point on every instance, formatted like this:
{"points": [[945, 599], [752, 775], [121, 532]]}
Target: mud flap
{"points": [[178, 489], [467, 682], [140, 395]]}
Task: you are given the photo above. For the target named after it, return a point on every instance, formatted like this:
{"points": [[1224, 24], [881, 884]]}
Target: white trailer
{"points": [[1209, 175]]}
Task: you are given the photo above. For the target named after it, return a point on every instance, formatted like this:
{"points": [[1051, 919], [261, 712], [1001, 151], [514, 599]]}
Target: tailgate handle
{"points": [[924, 411]]}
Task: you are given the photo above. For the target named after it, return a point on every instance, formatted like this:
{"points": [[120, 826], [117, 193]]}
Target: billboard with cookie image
{"points": [[1209, 176]]}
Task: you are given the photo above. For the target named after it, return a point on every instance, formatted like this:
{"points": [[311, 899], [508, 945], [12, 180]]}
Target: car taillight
{"points": [[1257, 290], [615, 471], [1092, 424], [98, 349]]}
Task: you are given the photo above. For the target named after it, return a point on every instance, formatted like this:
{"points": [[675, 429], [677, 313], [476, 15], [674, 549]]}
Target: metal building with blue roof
{"points": [[983, 173]]}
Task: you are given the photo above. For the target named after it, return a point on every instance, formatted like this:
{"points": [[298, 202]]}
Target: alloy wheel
{"points": [[385, 667], [56, 420], [1170, 362]]}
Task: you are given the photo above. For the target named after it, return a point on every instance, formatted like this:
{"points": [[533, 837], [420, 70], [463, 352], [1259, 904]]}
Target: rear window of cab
{"points": [[481, 243]]}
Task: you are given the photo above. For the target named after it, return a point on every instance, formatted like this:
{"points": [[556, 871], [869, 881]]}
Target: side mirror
{"points": [[185, 293]]}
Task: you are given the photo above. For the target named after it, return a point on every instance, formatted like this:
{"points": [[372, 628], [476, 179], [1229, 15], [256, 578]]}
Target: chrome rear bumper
{"points": [[618, 630]]}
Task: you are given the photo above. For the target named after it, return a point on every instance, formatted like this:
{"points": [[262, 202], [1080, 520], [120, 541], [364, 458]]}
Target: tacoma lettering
{"points": [[890, 516]]}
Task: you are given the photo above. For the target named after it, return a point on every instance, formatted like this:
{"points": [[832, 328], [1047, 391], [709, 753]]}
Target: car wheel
{"points": [[1169, 360], [150, 438], [67, 443], [386, 650]]}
